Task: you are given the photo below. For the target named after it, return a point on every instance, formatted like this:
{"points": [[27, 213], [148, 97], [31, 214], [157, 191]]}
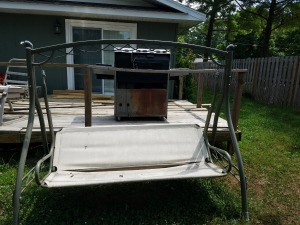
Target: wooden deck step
{"points": [[77, 94], [69, 113]]}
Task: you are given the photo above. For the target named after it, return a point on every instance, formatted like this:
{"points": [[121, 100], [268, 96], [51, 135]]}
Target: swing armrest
{"points": [[225, 155], [38, 168]]}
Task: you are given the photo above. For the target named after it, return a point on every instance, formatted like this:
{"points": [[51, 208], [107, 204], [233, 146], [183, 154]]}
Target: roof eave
{"points": [[182, 8], [184, 19]]}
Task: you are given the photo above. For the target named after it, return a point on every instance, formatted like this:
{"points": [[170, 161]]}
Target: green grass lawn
{"points": [[271, 149]]}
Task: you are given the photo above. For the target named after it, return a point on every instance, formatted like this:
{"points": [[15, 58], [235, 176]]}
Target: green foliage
{"points": [[215, 10], [275, 15], [287, 42], [184, 57], [245, 26], [189, 87]]}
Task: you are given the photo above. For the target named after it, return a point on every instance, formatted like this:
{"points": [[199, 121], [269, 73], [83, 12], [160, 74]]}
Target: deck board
{"points": [[70, 113]]}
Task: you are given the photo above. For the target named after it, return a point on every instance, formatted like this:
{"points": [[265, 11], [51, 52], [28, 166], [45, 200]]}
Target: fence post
{"points": [[255, 72], [87, 97], [180, 94], [296, 102], [237, 99], [199, 89]]}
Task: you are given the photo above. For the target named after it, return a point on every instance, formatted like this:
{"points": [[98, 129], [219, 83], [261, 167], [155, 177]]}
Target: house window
{"points": [[81, 30]]}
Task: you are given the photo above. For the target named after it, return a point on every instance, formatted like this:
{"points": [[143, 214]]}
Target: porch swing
{"points": [[104, 154]]}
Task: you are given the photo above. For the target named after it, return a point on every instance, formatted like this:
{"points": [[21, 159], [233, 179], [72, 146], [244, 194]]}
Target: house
{"points": [[47, 22]]}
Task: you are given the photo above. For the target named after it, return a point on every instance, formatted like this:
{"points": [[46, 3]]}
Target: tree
{"points": [[274, 13], [213, 9], [247, 28], [287, 42]]}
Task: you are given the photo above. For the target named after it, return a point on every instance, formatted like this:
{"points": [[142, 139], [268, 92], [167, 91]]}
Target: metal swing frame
{"points": [[50, 53]]}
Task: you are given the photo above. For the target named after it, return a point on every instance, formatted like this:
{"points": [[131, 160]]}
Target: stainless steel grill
{"points": [[141, 94]]}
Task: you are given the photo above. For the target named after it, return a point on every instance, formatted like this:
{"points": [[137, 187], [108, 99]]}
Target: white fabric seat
{"points": [[126, 153]]}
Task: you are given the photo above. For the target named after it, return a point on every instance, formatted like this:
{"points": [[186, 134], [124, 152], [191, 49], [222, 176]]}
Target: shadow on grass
{"points": [[270, 218], [195, 201], [162, 202], [10, 154]]}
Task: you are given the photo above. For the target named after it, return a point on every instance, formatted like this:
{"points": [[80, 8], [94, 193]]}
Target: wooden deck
{"points": [[68, 112]]}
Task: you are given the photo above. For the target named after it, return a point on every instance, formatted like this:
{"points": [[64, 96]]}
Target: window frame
{"points": [[113, 26]]}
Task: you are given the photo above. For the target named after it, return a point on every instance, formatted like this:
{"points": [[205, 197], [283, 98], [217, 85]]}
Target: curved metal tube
{"points": [[45, 61], [210, 110], [42, 123], [128, 41], [26, 142], [216, 62], [38, 168], [225, 154], [217, 112], [232, 133], [48, 111], [49, 117]]}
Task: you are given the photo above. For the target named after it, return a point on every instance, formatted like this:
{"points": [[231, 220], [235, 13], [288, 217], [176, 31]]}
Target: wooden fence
{"points": [[274, 80]]}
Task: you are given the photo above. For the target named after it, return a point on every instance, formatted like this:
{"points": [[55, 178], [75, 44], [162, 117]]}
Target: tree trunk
{"points": [[268, 30], [212, 19]]}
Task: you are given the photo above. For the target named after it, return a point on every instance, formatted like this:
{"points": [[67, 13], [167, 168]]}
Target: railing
{"points": [[198, 73], [40, 57], [200, 76]]}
